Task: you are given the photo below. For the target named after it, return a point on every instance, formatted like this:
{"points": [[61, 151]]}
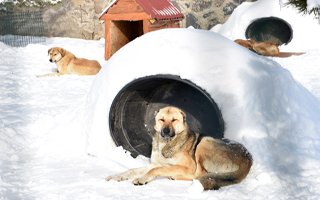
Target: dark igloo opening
{"points": [[132, 112], [272, 29]]}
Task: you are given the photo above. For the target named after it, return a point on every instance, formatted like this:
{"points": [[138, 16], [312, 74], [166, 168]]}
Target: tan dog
{"points": [[261, 48], [68, 63], [181, 154], [245, 43]]}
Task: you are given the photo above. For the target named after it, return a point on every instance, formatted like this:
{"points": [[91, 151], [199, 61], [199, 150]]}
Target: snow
{"points": [[49, 125], [313, 4], [236, 25]]}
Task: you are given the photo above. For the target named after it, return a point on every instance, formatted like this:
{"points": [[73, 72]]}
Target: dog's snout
{"points": [[50, 60], [167, 132]]}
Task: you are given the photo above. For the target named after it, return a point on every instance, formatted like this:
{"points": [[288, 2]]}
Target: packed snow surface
{"points": [[54, 134]]}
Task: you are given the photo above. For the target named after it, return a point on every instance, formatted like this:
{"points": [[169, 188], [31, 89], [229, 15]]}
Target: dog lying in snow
{"points": [[68, 63], [178, 153], [261, 48]]}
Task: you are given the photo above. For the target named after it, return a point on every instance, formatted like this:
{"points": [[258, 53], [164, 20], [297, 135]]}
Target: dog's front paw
{"points": [[140, 181], [116, 178]]}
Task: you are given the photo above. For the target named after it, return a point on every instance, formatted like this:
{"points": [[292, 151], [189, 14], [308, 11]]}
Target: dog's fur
{"points": [[68, 63], [181, 154], [262, 48]]}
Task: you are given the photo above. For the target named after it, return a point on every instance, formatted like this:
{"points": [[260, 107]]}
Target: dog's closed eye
{"points": [[173, 120]]}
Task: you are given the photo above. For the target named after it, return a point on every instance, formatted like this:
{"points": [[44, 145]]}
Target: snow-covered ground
{"points": [[44, 123]]}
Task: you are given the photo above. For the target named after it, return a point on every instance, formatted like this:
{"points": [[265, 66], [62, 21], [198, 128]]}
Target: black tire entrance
{"points": [[271, 29], [131, 116]]}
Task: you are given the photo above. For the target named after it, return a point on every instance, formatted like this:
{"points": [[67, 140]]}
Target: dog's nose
{"points": [[167, 132], [50, 60]]}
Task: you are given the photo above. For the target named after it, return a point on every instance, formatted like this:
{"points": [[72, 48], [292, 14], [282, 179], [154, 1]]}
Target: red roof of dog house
{"points": [[157, 9]]}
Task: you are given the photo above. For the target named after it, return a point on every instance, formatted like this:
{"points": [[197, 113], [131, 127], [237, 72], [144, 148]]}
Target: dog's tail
{"points": [[213, 181]]}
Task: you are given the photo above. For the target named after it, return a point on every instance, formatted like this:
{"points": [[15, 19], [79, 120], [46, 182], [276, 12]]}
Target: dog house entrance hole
{"points": [[122, 32], [270, 29], [132, 112]]}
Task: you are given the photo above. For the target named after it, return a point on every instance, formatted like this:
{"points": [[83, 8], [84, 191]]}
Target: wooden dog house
{"points": [[126, 20]]}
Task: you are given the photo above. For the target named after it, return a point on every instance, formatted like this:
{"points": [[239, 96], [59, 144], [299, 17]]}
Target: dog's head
{"points": [[56, 54], [170, 121], [245, 43]]}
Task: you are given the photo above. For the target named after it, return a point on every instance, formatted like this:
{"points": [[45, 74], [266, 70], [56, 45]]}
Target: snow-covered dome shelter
{"points": [[226, 90]]}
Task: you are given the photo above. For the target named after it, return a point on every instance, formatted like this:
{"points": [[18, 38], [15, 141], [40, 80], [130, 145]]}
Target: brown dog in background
{"points": [[181, 154], [68, 63], [261, 48]]}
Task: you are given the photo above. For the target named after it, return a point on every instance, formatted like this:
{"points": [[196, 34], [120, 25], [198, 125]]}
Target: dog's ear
{"points": [[62, 51], [49, 50], [155, 113], [184, 116]]}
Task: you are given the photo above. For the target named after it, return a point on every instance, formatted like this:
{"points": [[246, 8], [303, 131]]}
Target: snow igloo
{"points": [[224, 89]]}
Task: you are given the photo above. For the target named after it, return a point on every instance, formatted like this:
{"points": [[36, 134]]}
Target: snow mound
{"points": [[257, 97], [262, 105], [304, 26]]}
